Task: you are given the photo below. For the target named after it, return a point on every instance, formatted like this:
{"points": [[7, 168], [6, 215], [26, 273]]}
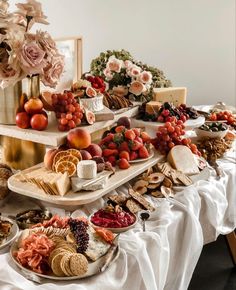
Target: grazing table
{"points": [[163, 257]]}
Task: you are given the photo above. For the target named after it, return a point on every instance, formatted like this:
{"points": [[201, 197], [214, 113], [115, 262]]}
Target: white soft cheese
{"points": [[181, 158]]}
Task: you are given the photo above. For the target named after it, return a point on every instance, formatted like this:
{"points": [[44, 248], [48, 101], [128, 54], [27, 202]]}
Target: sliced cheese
{"points": [[181, 158], [174, 95], [153, 107], [63, 184]]}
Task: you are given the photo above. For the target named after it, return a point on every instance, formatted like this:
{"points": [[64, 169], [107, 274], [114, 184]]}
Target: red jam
{"points": [[107, 219]]}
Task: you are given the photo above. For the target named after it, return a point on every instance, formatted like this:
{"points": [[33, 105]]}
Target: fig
{"points": [[124, 121], [98, 159], [90, 92], [100, 167], [90, 117]]}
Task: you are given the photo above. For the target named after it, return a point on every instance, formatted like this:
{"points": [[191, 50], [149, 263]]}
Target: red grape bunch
{"points": [[171, 134], [68, 112]]}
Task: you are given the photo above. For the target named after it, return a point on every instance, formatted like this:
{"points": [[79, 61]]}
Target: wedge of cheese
{"points": [[174, 95], [181, 158], [152, 107]]}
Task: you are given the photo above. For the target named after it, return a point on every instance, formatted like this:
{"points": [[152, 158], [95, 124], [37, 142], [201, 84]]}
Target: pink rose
{"points": [[128, 63], [46, 42], [145, 77], [31, 57], [53, 71], [137, 88], [9, 75], [133, 71], [108, 74], [33, 9], [114, 64]]}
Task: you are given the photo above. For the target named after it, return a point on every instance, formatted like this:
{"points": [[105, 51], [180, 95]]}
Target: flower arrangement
{"points": [[127, 77], [23, 53]]}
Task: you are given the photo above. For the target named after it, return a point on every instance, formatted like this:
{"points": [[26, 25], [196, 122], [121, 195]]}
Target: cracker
{"points": [[78, 264], [56, 265], [133, 206], [65, 264], [140, 199]]}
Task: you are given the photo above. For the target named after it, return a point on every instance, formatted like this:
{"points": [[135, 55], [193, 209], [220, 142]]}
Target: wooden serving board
{"points": [[83, 197]]}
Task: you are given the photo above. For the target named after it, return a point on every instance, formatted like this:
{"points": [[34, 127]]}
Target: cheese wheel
{"points": [[87, 169], [174, 95], [181, 158]]}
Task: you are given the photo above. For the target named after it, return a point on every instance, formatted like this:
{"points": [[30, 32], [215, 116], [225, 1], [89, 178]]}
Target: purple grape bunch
{"points": [[79, 229]]}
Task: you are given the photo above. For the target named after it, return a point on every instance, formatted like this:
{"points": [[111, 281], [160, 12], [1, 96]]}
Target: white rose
{"points": [[137, 88], [145, 77]]}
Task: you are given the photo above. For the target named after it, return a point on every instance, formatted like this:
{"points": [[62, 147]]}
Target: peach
{"points": [[48, 158], [85, 155], [94, 150], [78, 138]]}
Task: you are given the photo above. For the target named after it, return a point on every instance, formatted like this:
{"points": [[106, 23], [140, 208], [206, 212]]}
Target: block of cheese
{"points": [[182, 159], [174, 95], [152, 107]]}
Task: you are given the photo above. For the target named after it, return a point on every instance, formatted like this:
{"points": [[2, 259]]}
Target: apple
{"points": [[23, 120], [39, 122], [33, 106]]}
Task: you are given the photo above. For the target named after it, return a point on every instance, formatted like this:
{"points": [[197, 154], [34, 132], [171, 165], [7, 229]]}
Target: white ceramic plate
{"points": [[202, 175], [13, 233], [142, 159], [116, 230], [93, 267]]}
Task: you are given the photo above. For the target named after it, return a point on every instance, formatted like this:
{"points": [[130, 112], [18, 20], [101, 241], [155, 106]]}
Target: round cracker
{"points": [[55, 252], [65, 265], [56, 265], [78, 264]]}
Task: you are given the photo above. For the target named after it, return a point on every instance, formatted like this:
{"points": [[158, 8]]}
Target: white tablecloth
{"points": [[164, 257]]}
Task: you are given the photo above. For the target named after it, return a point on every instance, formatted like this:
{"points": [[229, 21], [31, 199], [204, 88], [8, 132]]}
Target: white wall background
{"points": [[192, 41]]}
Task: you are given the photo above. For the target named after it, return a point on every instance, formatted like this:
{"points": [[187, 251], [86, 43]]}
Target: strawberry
{"points": [[124, 146], [124, 154], [137, 131], [112, 145], [143, 152], [112, 160], [118, 138], [109, 152], [120, 129], [123, 163], [129, 134], [108, 138], [139, 139], [135, 145], [133, 155], [146, 138]]}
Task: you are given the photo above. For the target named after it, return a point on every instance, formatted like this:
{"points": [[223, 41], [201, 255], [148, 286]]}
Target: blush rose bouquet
{"points": [[25, 54], [127, 77]]}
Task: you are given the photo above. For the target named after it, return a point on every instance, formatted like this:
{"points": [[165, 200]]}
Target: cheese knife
{"points": [[110, 254]]}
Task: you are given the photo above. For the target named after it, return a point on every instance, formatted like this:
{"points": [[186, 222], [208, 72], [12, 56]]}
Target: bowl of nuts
{"points": [[212, 130]]}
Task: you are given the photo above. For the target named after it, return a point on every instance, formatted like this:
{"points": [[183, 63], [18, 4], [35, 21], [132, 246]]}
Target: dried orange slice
{"points": [[70, 158], [75, 153], [66, 166], [58, 156]]}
